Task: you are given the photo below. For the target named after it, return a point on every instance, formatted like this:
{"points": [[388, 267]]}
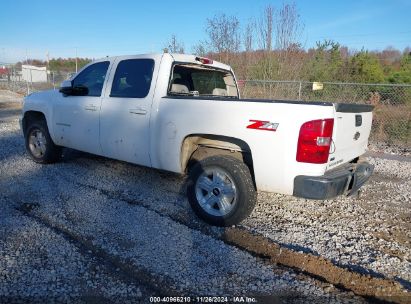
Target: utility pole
{"points": [[27, 82], [76, 59], [48, 66]]}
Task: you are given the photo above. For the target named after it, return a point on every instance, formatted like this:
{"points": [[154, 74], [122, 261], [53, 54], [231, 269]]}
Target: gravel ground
{"points": [[47, 210], [390, 149], [36, 263], [371, 234], [127, 212]]}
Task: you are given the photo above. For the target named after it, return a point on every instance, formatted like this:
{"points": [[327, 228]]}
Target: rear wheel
{"points": [[39, 144], [221, 190]]}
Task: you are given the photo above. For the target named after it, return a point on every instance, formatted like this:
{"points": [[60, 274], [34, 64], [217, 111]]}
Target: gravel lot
{"points": [[371, 234], [94, 228]]}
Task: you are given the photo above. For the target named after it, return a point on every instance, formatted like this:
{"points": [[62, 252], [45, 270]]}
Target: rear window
{"points": [[196, 80], [132, 78]]}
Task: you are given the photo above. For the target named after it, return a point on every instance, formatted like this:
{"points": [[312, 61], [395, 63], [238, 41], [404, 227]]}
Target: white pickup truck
{"points": [[184, 114]]}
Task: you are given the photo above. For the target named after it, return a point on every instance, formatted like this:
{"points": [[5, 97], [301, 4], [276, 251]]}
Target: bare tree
{"points": [[174, 45], [200, 49], [288, 32], [279, 33], [265, 28], [288, 27], [249, 36], [224, 34], [264, 68], [244, 61]]}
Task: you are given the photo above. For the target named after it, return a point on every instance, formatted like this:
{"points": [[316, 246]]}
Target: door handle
{"points": [[91, 108], [140, 111]]}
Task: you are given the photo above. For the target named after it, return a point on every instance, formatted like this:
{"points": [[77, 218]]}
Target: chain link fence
{"points": [[392, 113], [14, 81]]}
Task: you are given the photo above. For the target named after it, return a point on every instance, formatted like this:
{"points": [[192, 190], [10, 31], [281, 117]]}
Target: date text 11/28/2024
{"points": [[207, 299]]}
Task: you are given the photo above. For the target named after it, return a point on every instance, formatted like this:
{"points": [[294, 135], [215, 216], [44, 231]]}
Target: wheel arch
{"points": [[196, 147], [31, 116]]}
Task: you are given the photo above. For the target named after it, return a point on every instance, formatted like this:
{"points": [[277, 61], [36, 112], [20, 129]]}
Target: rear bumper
{"points": [[346, 180]]}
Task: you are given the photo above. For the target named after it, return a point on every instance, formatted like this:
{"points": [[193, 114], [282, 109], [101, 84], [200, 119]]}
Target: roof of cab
{"points": [[186, 58], [192, 59]]}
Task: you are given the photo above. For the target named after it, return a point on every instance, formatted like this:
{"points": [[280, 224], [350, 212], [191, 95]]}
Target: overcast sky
{"points": [[100, 28]]}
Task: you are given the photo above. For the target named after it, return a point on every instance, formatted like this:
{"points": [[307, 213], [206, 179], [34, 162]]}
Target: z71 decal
{"points": [[263, 125]]}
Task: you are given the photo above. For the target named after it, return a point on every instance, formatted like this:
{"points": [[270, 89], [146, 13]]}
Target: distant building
{"points": [[32, 73]]}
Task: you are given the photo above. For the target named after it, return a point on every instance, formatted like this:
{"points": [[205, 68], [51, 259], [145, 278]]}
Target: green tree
{"points": [[327, 63], [366, 68], [68, 64], [266, 68], [404, 74]]}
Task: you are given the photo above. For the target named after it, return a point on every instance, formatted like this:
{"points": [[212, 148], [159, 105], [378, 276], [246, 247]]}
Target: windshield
{"points": [[197, 80]]}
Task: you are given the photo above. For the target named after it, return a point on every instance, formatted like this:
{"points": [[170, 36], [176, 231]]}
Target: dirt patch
{"points": [[397, 235], [382, 178], [363, 285], [10, 105], [9, 110], [10, 96]]}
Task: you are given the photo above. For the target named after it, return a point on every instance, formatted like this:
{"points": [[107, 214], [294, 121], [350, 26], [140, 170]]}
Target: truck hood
{"points": [[41, 96]]}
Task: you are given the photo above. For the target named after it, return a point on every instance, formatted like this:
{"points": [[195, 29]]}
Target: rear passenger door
{"points": [[125, 111]]}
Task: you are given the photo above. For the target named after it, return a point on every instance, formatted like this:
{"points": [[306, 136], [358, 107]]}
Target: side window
{"points": [[132, 78], [92, 78]]}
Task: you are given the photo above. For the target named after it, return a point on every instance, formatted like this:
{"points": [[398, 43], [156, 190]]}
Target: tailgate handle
{"points": [[358, 120]]}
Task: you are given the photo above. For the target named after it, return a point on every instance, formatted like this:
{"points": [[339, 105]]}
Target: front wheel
{"points": [[39, 144], [221, 190]]}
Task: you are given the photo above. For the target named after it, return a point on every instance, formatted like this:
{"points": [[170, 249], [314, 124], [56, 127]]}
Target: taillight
{"points": [[314, 141]]}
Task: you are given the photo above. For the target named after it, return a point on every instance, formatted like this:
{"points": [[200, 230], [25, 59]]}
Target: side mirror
{"points": [[67, 88]]}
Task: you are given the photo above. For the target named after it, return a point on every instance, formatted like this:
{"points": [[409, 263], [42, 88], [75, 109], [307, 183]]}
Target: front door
{"points": [[76, 118], [125, 111]]}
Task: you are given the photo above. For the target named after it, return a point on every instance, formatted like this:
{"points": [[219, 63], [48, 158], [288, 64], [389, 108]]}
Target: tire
{"points": [[39, 144], [221, 190]]}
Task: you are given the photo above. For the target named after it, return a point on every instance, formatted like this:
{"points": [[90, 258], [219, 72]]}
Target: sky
{"points": [[96, 29]]}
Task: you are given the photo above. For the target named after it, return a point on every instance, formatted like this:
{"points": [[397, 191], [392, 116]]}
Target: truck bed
{"points": [[339, 106]]}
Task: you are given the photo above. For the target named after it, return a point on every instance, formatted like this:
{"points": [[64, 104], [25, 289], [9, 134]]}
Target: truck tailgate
{"points": [[352, 126]]}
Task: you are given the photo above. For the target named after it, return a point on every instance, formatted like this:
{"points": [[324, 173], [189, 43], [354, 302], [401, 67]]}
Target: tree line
{"points": [[269, 47]]}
